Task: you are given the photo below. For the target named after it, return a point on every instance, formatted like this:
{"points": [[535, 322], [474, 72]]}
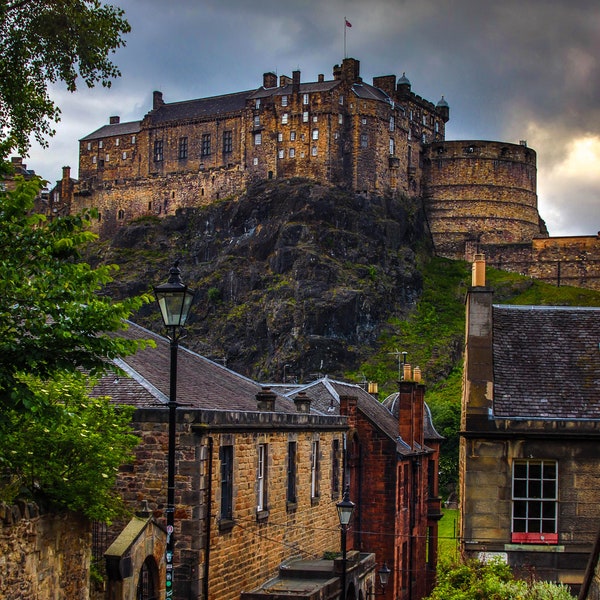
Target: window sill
{"points": [[226, 525], [314, 501], [262, 515], [291, 506], [534, 538]]}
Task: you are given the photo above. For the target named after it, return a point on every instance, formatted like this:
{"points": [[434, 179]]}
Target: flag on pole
{"points": [[348, 24]]}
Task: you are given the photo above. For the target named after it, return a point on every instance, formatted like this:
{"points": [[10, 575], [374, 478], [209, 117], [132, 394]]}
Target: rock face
{"points": [[292, 280]]}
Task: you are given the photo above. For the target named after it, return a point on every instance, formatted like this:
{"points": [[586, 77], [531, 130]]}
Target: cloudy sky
{"points": [[511, 70]]}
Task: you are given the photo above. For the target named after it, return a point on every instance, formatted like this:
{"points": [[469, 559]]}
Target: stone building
{"points": [[529, 435]]}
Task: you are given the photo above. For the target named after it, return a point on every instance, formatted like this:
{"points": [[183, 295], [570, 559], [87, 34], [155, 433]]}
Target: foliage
{"points": [[491, 580], [72, 450], [43, 42], [56, 330], [448, 550]]}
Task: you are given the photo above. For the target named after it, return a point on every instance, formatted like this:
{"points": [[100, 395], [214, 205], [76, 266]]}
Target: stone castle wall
{"points": [[43, 555]]}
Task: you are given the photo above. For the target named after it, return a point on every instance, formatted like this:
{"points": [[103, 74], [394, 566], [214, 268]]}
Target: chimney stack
{"points": [[302, 402], [265, 400], [478, 271]]}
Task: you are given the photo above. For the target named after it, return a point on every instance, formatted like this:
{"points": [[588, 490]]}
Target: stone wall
{"points": [[43, 556]]}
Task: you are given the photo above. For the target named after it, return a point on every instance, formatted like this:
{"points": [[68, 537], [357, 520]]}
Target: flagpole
{"points": [[345, 27]]}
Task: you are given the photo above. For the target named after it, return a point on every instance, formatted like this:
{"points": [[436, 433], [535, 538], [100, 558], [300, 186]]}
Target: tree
{"points": [[43, 42], [491, 580], [56, 332]]}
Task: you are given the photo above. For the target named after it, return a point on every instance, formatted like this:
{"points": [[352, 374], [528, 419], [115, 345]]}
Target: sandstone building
{"points": [[529, 435]]}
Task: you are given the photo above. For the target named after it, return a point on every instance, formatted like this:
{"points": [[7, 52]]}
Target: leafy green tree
{"points": [[43, 42], [491, 580], [56, 332]]}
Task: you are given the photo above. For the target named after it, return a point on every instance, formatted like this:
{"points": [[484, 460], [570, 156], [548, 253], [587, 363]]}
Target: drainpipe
{"points": [[208, 520]]}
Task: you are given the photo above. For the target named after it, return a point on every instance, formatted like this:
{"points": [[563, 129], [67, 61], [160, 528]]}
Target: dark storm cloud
{"points": [[515, 70]]}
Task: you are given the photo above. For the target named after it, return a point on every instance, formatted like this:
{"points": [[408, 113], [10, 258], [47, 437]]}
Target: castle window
{"points": [[364, 121], [257, 103], [257, 139], [89, 145], [410, 114], [424, 120], [121, 214], [205, 144], [124, 155], [315, 119], [255, 161], [392, 123], [227, 142], [257, 121], [304, 98], [336, 135], [305, 116], [107, 158], [437, 126], [364, 140], [340, 118], [284, 100], [292, 136], [424, 138], [341, 99], [392, 149], [133, 139], [292, 152], [281, 153], [284, 118], [315, 134], [313, 150], [117, 141], [280, 137], [94, 160], [100, 144], [183, 148], [335, 468], [149, 205], [158, 150]]}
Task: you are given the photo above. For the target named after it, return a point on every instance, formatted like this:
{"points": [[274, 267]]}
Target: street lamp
{"points": [[384, 577], [174, 300], [345, 508]]}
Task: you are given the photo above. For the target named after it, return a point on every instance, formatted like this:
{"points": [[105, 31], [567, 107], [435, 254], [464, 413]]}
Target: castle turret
{"points": [[443, 109]]}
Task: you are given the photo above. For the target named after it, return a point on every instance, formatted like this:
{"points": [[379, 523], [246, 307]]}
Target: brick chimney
{"points": [[296, 82], [302, 402], [157, 100], [284, 80], [265, 400], [479, 376], [406, 413], [269, 80]]}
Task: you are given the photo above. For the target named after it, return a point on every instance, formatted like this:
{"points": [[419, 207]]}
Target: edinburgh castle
{"points": [[372, 139]]}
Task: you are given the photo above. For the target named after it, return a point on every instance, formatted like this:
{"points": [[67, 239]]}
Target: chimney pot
{"points": [[407, 375], [478, 271]]}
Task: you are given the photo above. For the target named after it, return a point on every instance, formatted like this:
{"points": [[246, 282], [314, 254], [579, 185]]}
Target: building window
{"points": [[364, 140], [227, 142], [313, 151], [117, 141], [158, 150], [94, 159], [226, 457], [284, 100], [284, 119], [257, 121], [340, 118], [304, 98], [280, 137], [364, 121], [292, 136], [341, 99], [305, 116], [255, 161], [315, 118], [424, 119], [121, 214], [89, 145], [392, 123], [391, 146], [100, 144], [133, 139], [314, 470], [205, 144], [535, 501], [437, 126], [281, 153], [292, 152], [335, 468], [183, 148], [124, 155], [291, 473], [107, 158], [315, 134], [261, 478], [257, 139], [257, 103]]}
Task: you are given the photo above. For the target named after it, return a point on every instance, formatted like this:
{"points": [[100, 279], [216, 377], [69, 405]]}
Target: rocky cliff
{"points": [[293, 279]]}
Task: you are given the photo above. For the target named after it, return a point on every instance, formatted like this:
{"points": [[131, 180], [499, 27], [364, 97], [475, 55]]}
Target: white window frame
{"points": [[305, 116], [284, 100], [285, 118], [257, 139], [261, 478]]}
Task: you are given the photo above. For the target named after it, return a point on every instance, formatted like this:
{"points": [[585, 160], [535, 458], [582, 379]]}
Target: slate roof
{"points": [[201, 108], [201, 383], [287, 90], [325, 396], [113, 130], [546, 362]]}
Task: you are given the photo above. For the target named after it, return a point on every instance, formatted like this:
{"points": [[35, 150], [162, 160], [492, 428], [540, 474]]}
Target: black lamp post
{"points": [[174, 299], [384, 577], [345, 509]]}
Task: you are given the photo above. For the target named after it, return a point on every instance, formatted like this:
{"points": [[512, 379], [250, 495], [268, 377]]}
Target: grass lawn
{"points": [[448, 536]]}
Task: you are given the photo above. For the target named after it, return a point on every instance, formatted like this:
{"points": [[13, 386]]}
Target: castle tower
{"points": [[480, 192]]}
